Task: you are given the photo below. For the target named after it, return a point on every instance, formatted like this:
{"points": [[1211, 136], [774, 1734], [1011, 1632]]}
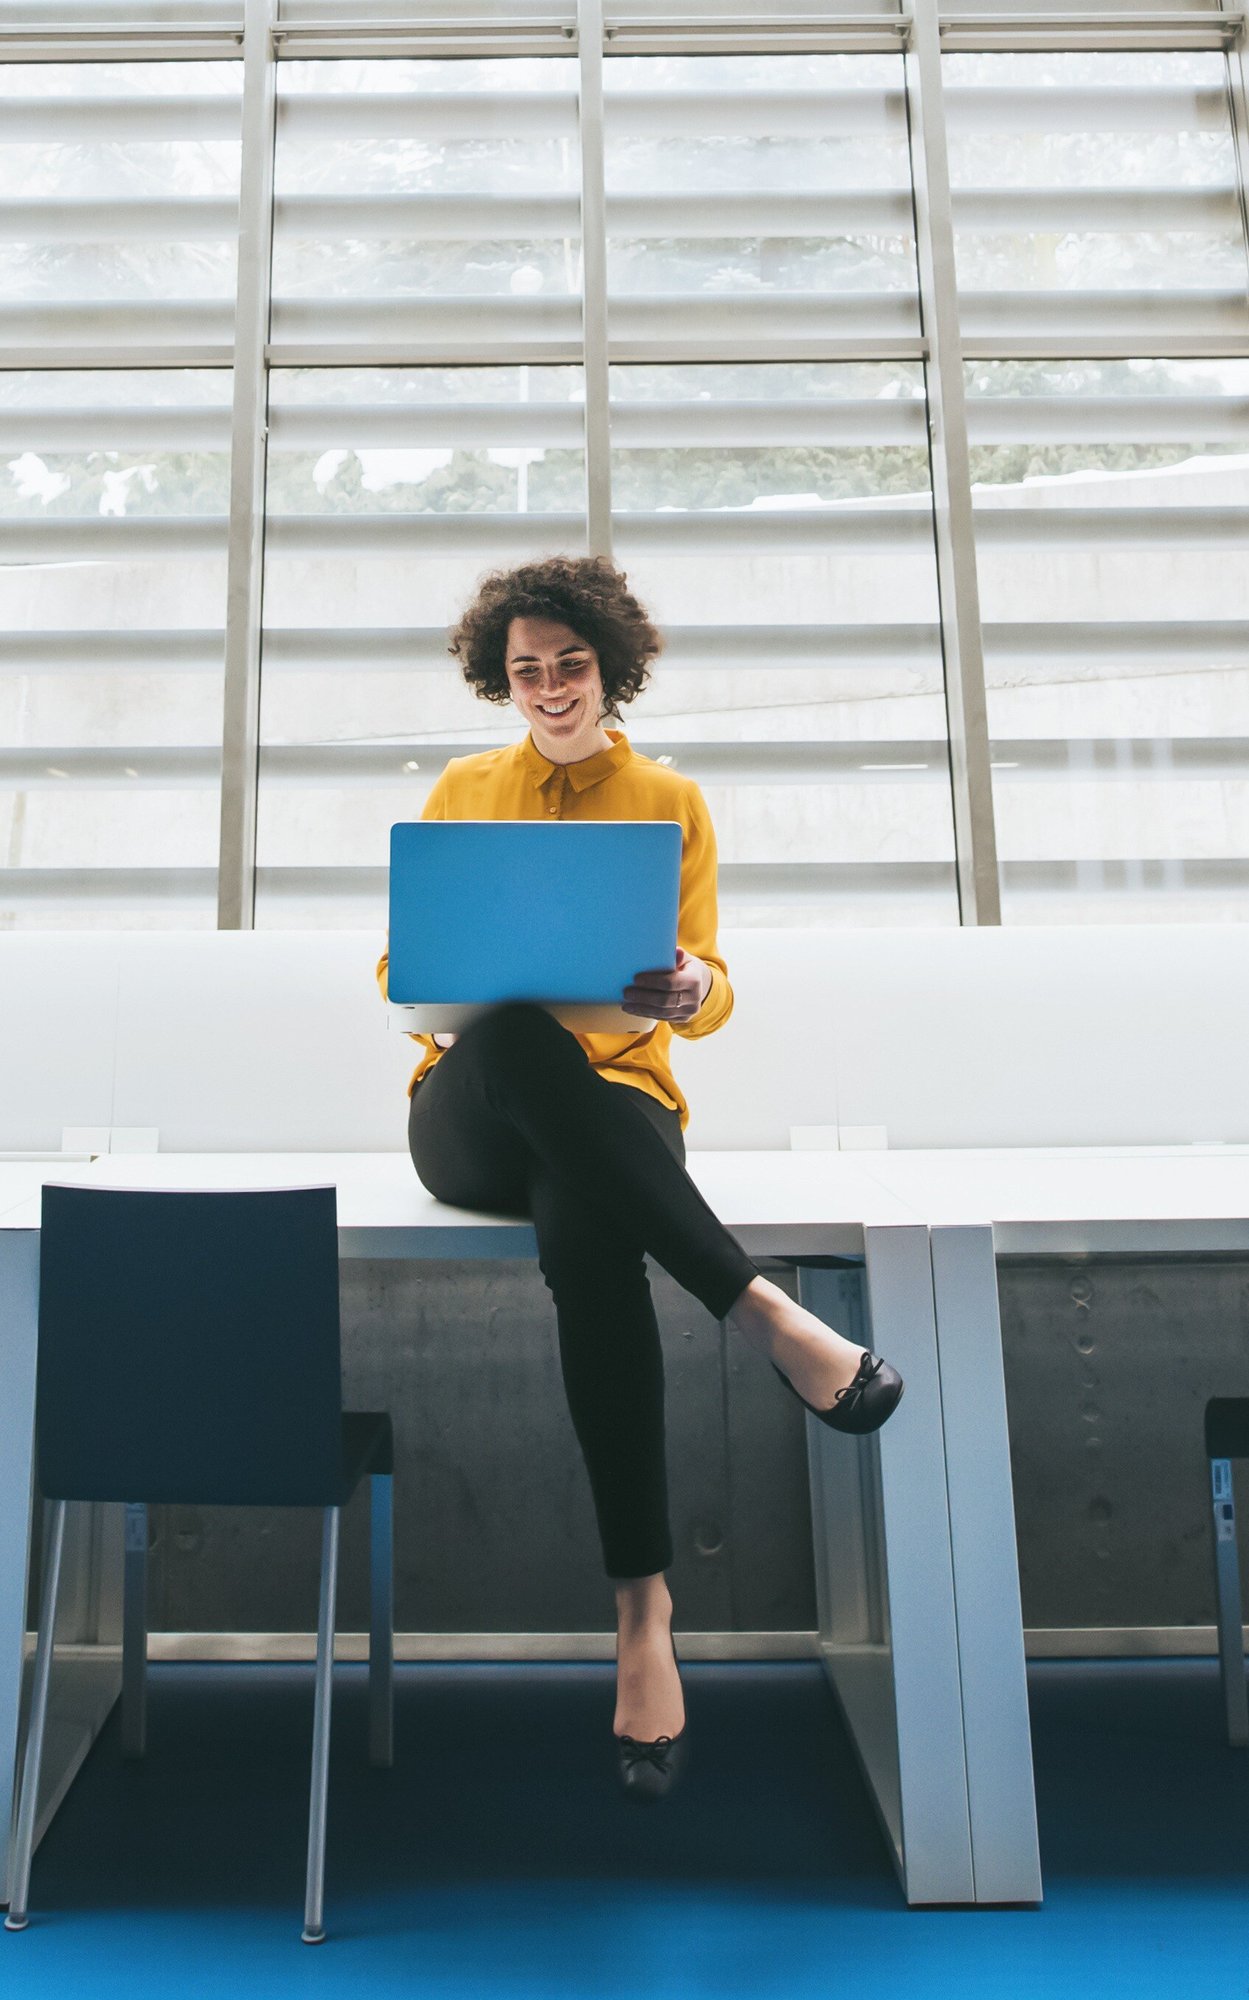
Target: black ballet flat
{"points": [[648, 1771], [864, 1404]]}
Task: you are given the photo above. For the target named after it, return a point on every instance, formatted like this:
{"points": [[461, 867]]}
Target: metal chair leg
{"points": [[1227, 1587], [314, 1894], [134, 1634], [24, 1840], [381, 1619]]}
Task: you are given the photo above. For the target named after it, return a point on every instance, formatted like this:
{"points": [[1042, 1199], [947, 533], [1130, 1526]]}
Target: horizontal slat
{"points": [[1026, 211], [431, 218], [702, 325], [1183, 643], [136, 325], [747, 530], [115, 427], [721, 531], [1178, 644], [837, 112], [776, 214], [316, 427], [333, 766], [884, 420], [1101, 419], [798, 882], [179, 219], [1150, 876], [779, 213], [313, 116], [454, 328], [536, 217], [124, 120], [459, 331], [363, 535], [137, 537], [879, 420], [120, 888], [810, 884], [715, 531], [310, 117], [423, 649], [111, 652], [1146, 526], [1086, 107], [109, 888], [1004, 322]]}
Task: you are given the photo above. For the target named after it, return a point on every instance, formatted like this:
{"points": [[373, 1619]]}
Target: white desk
{"points": [[881, 1524]]}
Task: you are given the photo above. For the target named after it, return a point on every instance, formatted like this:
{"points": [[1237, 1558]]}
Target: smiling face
{"points": [[556, 684]]}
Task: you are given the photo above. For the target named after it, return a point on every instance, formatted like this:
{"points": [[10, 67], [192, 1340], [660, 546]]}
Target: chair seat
{"points": [[1227, 1427], [368, 1446]]}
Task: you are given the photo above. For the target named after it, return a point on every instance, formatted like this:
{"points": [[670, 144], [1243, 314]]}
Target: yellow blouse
{"points": [[618, 783]]}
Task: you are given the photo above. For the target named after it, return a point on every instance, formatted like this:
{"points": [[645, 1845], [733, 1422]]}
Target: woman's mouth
{"points": [[555, 709]]}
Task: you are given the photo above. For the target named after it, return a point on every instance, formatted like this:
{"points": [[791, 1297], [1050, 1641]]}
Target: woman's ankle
{"points": [[643, 1602]]}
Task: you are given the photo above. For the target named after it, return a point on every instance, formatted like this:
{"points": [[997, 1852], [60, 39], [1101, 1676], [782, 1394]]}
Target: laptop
{"points": [[564, 914]]}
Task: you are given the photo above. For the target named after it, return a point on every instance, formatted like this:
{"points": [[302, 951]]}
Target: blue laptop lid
{"points": [[487, 910]]}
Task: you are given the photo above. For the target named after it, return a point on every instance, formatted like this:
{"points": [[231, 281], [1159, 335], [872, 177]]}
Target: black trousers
{"points": [[514, 1119]]}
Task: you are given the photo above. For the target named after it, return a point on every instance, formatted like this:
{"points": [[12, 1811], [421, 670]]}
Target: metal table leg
{"points": [[884, 1572], [1005, 1852]]}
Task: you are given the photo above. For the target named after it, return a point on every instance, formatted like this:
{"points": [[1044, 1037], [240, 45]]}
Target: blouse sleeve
{"points": [[435, 807], [697, 917]]}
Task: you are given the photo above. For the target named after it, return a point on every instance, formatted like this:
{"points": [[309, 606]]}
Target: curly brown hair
{"points": [[583, 592]]}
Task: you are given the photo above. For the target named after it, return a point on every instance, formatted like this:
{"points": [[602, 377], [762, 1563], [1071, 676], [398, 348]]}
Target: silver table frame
{"points": [[894, 1637]]}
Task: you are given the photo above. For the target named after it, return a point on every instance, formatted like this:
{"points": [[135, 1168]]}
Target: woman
{"points": [[584, 1132]]}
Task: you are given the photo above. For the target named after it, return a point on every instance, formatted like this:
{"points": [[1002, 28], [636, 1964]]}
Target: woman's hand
{"points": [[670, 996]]}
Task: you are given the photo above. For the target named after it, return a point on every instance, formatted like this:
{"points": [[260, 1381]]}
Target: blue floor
{"points": [[497, 1860]]}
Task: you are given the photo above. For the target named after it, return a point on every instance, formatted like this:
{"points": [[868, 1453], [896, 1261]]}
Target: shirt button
{"points": [[552, 809]]}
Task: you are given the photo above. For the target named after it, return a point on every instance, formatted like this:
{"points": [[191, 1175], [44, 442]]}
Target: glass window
{"points": [[1112, 523], [746, 193], [390, 491], [1096, 195], [778, 520], [114, 489], [118, 223], [118, 204], [430, 201]]}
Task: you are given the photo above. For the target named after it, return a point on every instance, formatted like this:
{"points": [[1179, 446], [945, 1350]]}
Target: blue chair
{"points": [[189, 1353], [1227, 1438]]}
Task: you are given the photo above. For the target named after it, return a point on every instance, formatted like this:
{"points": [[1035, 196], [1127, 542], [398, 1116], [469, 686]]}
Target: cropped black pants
{"points": [[514, 1119]]}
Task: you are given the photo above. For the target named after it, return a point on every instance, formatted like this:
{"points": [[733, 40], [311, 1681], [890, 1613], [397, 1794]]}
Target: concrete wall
{"points": [[1109, 1364]]}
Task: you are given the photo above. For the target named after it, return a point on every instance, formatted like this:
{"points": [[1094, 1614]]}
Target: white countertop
{"points": [[1163, 1197]]}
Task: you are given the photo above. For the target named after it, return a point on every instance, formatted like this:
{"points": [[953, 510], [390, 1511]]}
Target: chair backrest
{"points": [[189, 1347]]}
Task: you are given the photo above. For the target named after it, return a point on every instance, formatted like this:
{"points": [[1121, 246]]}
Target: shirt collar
{"points": [[590, 770]]}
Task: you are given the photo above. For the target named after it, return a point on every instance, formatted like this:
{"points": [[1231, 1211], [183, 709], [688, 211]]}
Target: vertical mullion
{"points": [[975, 840], [1238, 82], [240, 732], [594, 280]]}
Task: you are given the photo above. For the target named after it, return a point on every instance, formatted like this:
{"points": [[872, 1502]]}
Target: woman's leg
{"points": [[592, 1139], [613, 1376], [613, 1372], [610, 1352], [520, 1067]]}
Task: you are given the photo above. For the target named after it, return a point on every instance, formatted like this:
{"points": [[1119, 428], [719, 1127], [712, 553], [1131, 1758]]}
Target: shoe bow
{"points": [[869, 1369], [655, 1753]]}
